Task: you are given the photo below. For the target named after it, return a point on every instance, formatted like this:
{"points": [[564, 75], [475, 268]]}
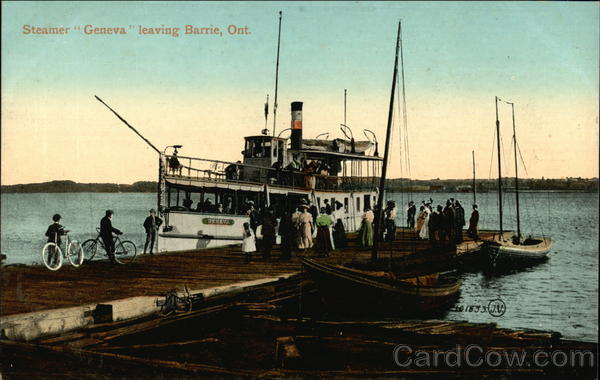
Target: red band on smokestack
{"points": [[296, 126], [296, 115]]}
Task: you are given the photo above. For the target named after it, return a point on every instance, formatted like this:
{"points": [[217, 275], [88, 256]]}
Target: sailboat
{"points": [[383, 292], [508, 248]]}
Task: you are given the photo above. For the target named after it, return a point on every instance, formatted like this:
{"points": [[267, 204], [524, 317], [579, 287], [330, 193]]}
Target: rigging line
{"points": [[492, 158], [393, 130], [404, 114], [522, 159], [402, 137], [400, 147]]}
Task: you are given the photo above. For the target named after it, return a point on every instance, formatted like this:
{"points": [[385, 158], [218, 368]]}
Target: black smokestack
{"points": [[296, 125]]}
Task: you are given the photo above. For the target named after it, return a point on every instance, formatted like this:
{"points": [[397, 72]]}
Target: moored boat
{"points": [[355, 291], [371, 289], [503, 249], [512, 248]]}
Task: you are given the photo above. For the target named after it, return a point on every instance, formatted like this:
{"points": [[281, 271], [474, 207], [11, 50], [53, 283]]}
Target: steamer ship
{"points": [[204, 202]]}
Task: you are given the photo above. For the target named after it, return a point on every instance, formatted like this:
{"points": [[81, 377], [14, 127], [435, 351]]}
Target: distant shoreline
{"points": [[74, 187], [568, 185]]}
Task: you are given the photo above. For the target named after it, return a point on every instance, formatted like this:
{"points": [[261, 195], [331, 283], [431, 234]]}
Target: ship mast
{"points": [[516, 174], [380, 197], [276, 77], [474, 188], [499, 168]]}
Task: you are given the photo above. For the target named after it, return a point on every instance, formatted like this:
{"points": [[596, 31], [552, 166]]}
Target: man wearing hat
{"points": [[54, 232], [410, 214], [151, 225], [106, 231], [473, 221]]}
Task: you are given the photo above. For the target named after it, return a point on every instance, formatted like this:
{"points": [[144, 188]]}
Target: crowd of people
{"points": [[307, 227], [441, 224], [367, 225]]}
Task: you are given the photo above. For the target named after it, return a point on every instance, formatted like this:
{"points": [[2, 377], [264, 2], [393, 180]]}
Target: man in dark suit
{"points": [[151, 225], [106, 231], [473, 221]]}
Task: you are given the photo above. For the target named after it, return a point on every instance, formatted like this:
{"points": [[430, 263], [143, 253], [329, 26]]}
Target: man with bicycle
{"points": [[106, 231], [54, 232]]}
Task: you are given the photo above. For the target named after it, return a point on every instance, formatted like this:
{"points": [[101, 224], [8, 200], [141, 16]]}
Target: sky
{"points": [[208, 91]]}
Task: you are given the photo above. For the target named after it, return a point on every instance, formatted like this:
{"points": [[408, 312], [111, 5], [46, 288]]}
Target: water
{"points": [[25, 218], [560, 294]]}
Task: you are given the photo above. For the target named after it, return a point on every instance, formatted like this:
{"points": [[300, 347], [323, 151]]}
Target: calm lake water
{"points": [[560, 294]]}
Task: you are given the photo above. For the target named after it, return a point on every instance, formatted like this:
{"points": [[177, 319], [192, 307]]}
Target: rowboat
{"points": [[355, 291]]}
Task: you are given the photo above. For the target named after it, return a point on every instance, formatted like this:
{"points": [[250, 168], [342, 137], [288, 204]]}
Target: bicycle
{"points": [[53, 256], [125, 251], [173, 304]]}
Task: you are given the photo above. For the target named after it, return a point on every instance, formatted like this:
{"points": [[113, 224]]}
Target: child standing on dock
{"points": [[248, 243]]}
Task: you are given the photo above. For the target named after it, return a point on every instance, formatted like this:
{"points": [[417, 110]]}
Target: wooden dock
{"points": [[28, 289], [248, 320]]}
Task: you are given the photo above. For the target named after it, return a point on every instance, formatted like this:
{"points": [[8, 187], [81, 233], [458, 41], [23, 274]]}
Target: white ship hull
{"points": [[189, 230]]}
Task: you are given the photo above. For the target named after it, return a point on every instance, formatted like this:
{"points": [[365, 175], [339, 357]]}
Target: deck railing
{"points": [[234, 172]]}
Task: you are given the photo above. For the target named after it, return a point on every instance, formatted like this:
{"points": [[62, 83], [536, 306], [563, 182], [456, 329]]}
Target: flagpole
{"points": [[276, 77]]}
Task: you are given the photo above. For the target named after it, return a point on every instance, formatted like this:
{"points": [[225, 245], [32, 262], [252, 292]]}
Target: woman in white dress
{"points": [[248, 243], [306, 227], [424, 233]]}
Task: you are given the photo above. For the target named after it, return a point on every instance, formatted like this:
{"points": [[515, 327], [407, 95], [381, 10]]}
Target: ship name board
{"points": [[218, 221]]}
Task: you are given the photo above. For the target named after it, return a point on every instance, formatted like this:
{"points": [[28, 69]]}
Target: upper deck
{"points": [[199, 172]]}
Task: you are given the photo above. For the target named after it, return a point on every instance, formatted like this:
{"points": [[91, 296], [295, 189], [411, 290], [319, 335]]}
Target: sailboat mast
{"points": [[499, 168], [474, 188], [276, 77], [380, 197], [516, 174]]}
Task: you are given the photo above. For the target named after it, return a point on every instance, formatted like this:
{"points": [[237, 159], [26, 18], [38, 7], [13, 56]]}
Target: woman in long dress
{"points": [[424, 233], [366, 228], [248, 243], [333, 219], [420, 220], [324, 222], [306, 225]]}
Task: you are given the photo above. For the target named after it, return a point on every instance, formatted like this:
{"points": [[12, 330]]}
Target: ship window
{"points": [[357, 203], [261, 149], [257, 150], [346, 205], [280, 149]]}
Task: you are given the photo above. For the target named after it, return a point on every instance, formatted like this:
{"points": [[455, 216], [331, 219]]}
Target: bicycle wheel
{"points": [[89, 247], [75, 253], [125, 252], [52, 256]]}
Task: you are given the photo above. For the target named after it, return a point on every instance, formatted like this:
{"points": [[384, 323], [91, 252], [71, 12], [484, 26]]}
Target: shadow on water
{"points": [[510, 268], [314, 306]]}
